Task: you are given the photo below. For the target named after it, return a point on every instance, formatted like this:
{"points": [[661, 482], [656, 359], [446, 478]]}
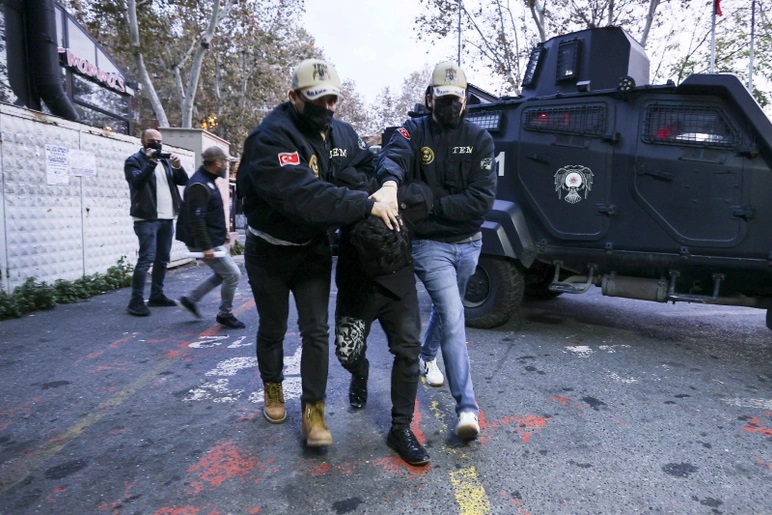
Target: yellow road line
{"points": [[470, 493]]}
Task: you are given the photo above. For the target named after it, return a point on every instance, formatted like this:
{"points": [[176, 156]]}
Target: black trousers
{"points": [[274, 271], [360, 302]]}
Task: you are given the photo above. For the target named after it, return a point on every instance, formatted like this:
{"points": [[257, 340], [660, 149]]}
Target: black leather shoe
{"points": [[404, 442], [357, 391], [230, 321], [138, 308], [160, 302]]}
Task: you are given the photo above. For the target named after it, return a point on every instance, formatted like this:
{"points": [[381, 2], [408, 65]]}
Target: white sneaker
{"points": [[467, 428], [432, 372]]}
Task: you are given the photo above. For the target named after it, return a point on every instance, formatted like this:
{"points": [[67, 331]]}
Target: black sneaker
{"points": [[160, 302], [137, 308], [190, 307], [407, 446], [230, 321]]}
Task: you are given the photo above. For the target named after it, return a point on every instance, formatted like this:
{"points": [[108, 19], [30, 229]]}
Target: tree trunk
{"points": [[136, 50], [198, 59]]}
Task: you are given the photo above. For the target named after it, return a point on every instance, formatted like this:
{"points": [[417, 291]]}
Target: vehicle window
{"points": [[689, 125], [587, 120]]}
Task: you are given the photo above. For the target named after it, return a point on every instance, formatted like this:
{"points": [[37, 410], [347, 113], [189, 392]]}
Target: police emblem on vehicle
{"points": [[427, 155], [573, 179]]}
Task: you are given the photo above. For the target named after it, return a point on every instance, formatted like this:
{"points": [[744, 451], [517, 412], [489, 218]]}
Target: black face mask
{"points": [[317, 117], [447, 111], [154, 145]]}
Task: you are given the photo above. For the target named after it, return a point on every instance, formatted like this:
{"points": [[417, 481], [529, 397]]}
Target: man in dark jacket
{"points": [[455, 158], [289, 203], [376, 281], [201, 226], [153, 177]]}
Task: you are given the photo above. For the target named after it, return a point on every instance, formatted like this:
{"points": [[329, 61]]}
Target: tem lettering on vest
{"points": [[338, 152], [463, 150]]}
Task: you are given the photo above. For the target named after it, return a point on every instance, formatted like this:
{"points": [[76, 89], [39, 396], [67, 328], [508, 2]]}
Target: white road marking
{"points": [[238, 343], [231, 366], [208, 341], [218, 389], [765, 404], [583, 351], [625, 380]]}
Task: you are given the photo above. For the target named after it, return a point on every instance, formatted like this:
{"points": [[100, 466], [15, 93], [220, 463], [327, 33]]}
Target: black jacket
{"points": [[457, 164], [351, 277], [201, 224], [284, 177], [140, 174]]}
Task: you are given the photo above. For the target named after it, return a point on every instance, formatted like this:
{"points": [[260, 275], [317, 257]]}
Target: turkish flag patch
{"points": [[404, 132], [289, 158]]}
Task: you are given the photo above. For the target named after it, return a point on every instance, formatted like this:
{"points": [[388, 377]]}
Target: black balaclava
{"points": [[316, 117], [447, 110]]}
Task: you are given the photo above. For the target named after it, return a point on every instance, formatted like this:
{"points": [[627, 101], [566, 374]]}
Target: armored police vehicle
{"points": [[660, 193]]}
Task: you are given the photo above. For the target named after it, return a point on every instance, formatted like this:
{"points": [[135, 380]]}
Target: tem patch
{"points": [[573, 179], [427, 155], [289, 158], [404, 133], [362, 144], [313, 163], [486, 164]]}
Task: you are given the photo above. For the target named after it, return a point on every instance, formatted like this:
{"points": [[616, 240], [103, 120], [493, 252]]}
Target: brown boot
{"points": [[315, 431], [273, 408]]}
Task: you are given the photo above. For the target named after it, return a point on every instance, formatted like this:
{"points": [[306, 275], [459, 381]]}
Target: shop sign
{"points": [[84, 67]]}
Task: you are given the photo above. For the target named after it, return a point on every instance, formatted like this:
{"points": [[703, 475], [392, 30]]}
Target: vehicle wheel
{"points": [[769, 318], [493, 293]]}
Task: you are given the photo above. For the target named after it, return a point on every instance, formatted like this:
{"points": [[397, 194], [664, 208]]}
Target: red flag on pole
{"points": [[717, 5]]}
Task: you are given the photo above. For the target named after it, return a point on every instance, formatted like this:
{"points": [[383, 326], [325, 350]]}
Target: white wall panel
{"points": [[64, 231]]}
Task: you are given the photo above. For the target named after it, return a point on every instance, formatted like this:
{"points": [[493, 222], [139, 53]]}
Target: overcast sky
{"points": [[372, 42]]}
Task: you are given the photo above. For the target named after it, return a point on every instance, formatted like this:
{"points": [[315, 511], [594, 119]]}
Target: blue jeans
{"points": [[227, 273], [155, 245], [445, 269]]}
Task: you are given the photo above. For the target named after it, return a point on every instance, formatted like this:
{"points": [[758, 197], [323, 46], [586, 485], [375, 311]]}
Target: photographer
{"points": [[153, 176]]}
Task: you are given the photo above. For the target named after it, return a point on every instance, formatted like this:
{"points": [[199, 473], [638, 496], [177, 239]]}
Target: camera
{"points": [[157, 152]]}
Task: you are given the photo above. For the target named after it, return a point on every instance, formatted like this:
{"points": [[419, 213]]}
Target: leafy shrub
{"points": [[237, 248], [34, 296]]}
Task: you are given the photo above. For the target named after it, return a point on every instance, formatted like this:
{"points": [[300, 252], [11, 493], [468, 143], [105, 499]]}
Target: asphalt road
{"points": [[589, 405]]}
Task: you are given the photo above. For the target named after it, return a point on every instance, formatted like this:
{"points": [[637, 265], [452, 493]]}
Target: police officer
{"points": [[455, 158], [288, 201]]}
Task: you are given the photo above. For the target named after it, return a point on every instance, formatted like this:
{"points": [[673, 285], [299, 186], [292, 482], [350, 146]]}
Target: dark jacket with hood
{"points": [[458, 165], [415, 202], [284, 177]]}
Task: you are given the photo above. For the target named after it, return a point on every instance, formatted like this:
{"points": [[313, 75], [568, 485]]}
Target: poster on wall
{"points": [[57, 165], [82, 163]]}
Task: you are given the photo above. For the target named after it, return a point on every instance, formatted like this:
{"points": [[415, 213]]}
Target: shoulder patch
{"points": [[404, 133], [362, 144], [289, 158]]}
